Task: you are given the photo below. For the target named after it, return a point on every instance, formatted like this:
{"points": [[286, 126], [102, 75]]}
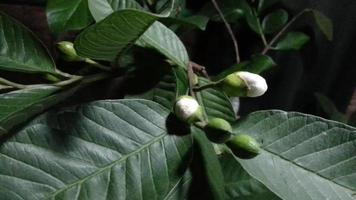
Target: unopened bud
{"points": [[68, 51], [187, 109], [242, 84]]}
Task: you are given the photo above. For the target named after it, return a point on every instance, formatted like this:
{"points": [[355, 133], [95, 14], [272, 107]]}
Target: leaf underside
{"points": [[102, 150], [304, 157], [20, 50]]}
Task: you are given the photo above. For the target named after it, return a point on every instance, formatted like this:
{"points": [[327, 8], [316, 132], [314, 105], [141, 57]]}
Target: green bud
{"points": [[68, 51], [244, 146], [218, 130], [187, 109], [244, 84]]}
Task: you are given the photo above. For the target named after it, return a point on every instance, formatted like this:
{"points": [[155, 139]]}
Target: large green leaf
{"points": [[162, 82], [102, 150], [304, 157], [162, 92], [18, 106], [103, 8], [20, 50], [157, 36], [165, 41], [215, 103], [239, 185], [111, 36], [194, 21], [208, 161], [64, 15]]}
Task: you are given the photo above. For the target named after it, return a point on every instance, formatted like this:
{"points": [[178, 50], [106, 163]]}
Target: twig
{"points": [[199, 69], [12, 84], [96, 64], [191, 80], [263, 38], [69, 81], [282, 31], [206, 86], [228, 27]]}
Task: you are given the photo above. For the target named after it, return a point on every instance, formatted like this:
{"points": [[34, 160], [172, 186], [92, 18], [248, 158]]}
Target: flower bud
{"points": [[241, 84], [244, 146], [68, 51], [187, 109], [218, 130]]}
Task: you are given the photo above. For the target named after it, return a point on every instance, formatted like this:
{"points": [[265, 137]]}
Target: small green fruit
{"points": [[187, 109], [68, 51], [244, 84], [218, 130], [244, 146]]}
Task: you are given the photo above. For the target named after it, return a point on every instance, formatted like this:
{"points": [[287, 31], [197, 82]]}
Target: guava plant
{"points": [[174, 134]]}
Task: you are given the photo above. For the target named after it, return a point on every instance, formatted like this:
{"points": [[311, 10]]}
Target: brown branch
{"points": [[282, 31], [199, 69], [191, 80], [228, 27]]}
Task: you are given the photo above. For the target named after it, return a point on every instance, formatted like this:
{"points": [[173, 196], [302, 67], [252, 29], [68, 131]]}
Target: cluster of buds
{"points": [[218, 130]]}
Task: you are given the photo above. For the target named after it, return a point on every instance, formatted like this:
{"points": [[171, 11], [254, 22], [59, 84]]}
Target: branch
{"points": [[12, 84], [228, 27], [191, 80], [282, 31], [199, 69]]}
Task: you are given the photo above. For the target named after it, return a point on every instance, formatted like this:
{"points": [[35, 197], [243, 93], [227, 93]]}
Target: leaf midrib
{"points": [[122, 159]]}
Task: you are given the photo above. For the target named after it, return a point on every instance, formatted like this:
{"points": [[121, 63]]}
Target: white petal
{"points": [[186, 107], [255, 83]]}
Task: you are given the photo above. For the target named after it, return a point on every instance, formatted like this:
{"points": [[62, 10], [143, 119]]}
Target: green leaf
{"points": [[165, 41], [204, 152], [233, 10], [324, 23], [239, 185], [19, 106], [162, 82], [274, 21], [181, 81], [103, 8], [330, 109], [195, 21], [164, 91], [304, 157], [292, 41], [102, 150], [157, 36], [64, 15], [264, 4], [111, 36], [215, 103], [252, 18], [20, 50], [258, 64]]}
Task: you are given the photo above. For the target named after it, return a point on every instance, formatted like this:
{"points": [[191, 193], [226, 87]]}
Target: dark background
{"points": [[322, 66]]}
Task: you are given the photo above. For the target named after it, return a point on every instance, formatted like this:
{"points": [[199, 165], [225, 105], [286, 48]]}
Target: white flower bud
{"points": [[187, 109], [241, 84], [256, 84]]}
